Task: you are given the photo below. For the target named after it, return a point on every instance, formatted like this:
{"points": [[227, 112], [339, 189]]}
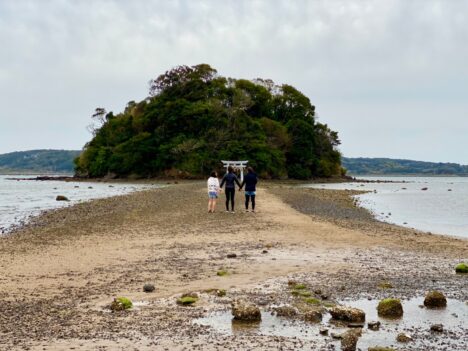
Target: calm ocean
{"points": [[441, 209], [21, 199]]}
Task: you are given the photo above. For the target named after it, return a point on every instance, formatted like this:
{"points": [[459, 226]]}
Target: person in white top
{"points": [[213, 190]]}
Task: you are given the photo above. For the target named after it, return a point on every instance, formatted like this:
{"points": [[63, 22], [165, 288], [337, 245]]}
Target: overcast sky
{"points": [[390, 75]]}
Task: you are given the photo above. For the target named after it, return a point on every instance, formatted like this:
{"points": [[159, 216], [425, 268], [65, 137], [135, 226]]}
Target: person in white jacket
{"points": [[213, 190]]}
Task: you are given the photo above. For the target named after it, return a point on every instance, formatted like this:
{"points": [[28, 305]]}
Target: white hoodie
{"points": [[213, 184]]}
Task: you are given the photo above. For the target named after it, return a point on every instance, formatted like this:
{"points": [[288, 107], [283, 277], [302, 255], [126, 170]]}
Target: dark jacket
{"points": [[250, 181], [229, 179]]}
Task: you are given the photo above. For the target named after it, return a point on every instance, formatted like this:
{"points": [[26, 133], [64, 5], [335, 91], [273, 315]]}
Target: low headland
{"points": [[303, 253]]}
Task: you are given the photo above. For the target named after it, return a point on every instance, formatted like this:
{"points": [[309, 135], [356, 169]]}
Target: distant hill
{"points": [[38, 161], [388, 166]]}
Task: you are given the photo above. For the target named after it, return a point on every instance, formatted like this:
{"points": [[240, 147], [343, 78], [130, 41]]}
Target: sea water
{"points": [[441, 208], [20, 199]]}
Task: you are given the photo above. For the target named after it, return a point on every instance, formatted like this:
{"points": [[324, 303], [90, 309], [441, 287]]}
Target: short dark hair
{"points": [[230, 169], [213, 174], [250, 169]]}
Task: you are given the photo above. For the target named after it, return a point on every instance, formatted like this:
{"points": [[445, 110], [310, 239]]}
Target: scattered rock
{"points": [[245, 311], [323, 331], [313, 316], [461, 268], [221, 292], [439, 328], [285, 311], [378, 348], [347, 314], [231, 255], [148, 288], [349, 340], [424, 189], [355, 325], [120, 304], [403, 337], [435, 299], [61, 198], [264, 251], [390, 308], [375, 325]]}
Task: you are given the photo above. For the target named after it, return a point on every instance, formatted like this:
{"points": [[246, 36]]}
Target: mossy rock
{"points": [[221, 292], [435, 299], [378, 348], [222, 273], [120, 304], [186, 300], [312, 301], [461, 268], [390, 307]]}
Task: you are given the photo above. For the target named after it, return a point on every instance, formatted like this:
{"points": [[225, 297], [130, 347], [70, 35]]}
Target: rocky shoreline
{"points": [[305, 250]]}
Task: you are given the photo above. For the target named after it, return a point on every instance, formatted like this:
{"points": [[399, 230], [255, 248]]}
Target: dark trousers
{"points": [[252, 199], [230, 194]]}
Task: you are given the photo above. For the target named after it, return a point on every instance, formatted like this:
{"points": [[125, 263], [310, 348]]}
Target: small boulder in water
{"points": [[435, 299], [349, 340], [245, 311], [347, 314], [61, 198], [439, 328], [373, 325], [390, 308], [403, 337]]}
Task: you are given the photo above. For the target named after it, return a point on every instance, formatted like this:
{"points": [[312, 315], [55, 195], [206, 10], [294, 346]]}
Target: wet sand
{"points": [[60, 272]]}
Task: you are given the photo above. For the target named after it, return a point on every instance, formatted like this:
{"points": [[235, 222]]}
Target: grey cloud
{"points": [[388, 75]]}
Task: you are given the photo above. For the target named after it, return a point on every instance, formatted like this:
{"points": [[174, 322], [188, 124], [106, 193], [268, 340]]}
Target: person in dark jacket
{"points": [[230, 178], [250, 182]]}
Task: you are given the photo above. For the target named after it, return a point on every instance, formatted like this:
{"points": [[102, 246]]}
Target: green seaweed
{"points": [[461, 268], [125, 302], [222, 273], [299, 287], [312, 301], [186, 300]]}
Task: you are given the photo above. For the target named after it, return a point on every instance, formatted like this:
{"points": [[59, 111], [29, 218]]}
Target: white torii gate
{"points": [[236, 165]]}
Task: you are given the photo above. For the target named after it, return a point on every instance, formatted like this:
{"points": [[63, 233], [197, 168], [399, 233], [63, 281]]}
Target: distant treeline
{"points": [[38, 161], [387, 166], [193, 118]]}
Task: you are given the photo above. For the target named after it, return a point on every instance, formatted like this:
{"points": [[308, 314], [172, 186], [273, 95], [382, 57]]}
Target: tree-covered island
{"points": [[193, 118]]}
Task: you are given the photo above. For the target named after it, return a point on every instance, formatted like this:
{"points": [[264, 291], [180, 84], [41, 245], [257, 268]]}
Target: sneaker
{"points": [[247, 210], [233, 212]]}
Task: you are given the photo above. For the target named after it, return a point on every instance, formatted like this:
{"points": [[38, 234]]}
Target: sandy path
{"points": [[88, 254]]}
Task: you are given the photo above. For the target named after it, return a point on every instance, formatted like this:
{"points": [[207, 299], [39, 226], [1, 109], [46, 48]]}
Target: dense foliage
{"points": [[387, 166], [38, 161], [194, 118]]}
